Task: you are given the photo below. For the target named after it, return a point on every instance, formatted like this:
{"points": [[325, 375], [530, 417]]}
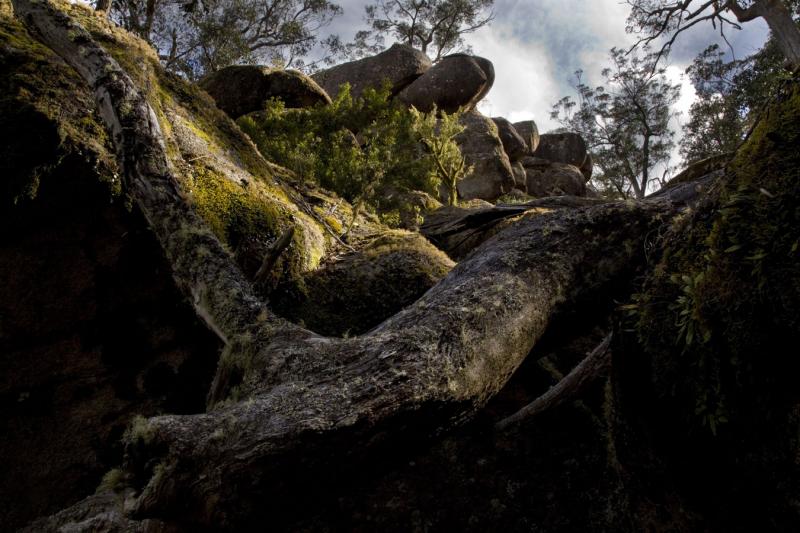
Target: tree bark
{"points": [[780, 22], [103, 5], [285, 398]]}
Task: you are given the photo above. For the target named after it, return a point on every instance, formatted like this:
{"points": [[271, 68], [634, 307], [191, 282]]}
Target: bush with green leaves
{"points": [[356, 147], [438, 135]]}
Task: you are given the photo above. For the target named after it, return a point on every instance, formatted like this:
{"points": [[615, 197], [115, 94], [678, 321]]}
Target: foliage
{"points": [[666, 19], [354, 146], [436, 27], [726, 288], [439, 137], [728, 95], [198, 37], [625, 122]]}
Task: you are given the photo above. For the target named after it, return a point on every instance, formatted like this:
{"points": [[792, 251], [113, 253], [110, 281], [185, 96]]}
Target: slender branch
{"points": [[573, 383]]}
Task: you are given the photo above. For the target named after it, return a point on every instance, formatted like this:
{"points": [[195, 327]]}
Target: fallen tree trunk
{"points": [[285, 398]]}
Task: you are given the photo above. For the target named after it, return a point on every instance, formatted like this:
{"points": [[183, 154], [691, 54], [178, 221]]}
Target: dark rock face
{"points": [[400, 65], [458, 81], [545, 178], [481, 146], [239, 90], [513, 143], [530, 134], [569, 148], [94, 332]]}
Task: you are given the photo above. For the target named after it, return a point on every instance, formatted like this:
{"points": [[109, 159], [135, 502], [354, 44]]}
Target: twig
{"points": [[273, 253]]}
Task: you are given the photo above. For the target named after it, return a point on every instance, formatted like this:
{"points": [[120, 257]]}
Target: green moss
{"points": [[723, 302], [139, 431], [47, 114], [250, 218], [114, 480], [363, 288]]}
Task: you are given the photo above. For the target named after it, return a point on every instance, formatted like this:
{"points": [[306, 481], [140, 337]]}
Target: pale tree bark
{"points": [[670, 19], [779, 20], [285, 399]]}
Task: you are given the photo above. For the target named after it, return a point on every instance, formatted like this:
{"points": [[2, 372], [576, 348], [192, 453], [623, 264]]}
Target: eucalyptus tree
{"points": [[656, 19], [196, 37], [436, 27], [625, 122]]}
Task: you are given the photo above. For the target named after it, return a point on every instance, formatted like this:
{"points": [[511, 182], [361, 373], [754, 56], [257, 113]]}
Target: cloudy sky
{"points": [[537, 45]]}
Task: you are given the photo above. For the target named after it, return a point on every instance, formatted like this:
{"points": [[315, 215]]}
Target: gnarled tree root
{"points": [[286, 400]]}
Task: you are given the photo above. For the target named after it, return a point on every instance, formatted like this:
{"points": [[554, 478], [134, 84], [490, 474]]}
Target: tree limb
{"points": [[573, 384]]}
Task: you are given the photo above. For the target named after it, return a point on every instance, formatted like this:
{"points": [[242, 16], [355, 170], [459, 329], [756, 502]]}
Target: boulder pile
{"points": [[507, 158]]}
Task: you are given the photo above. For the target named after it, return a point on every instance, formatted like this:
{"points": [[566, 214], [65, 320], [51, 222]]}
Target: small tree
{"points": [[625, 123], [319, 144], [669, 18], [436, 27], [438, 136]]}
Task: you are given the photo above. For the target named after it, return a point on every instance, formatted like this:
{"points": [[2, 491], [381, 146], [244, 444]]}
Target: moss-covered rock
{"points": [[718, 320], [245, 199], [47, 115], [358, 291]]}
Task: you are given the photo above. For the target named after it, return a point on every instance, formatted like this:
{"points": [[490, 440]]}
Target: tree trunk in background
{"points": [[780, 22], [103, 5]]}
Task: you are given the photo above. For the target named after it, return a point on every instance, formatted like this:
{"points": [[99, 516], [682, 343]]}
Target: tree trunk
{"points": [[103, 5], [286, 400], [784, 29], [780, 22]]}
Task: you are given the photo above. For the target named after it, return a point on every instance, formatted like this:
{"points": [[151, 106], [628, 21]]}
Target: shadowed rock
{"points": [[513, 143], [520, 177], [243, 89], [481, 146], [457, 81], [569, 148], [546, 178]]}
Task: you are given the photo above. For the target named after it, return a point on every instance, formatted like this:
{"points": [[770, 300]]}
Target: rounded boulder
{"points": [[242, 89], [568, 148], [458, 81], [399, 66]]}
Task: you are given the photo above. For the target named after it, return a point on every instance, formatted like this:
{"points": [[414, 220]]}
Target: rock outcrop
{"points": [[548, 178], [529, 132], [399, 65], [242, 89], [482, 148], [458, 81], [513, 143], [568, 147]]}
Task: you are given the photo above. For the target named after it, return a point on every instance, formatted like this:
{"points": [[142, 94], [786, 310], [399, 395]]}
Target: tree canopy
{"points": [[625, 122], [656, 19], [202, 36], [435, 27]]}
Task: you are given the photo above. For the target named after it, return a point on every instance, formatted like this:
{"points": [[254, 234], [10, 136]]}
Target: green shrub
{"points": [[354, 146]]}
